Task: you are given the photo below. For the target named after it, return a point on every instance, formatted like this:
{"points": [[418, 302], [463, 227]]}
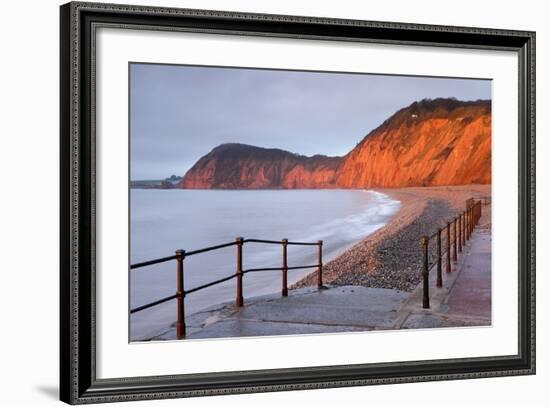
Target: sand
{"points": [[392, 256]]}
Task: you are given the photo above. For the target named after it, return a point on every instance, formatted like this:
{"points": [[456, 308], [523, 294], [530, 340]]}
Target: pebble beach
{"points": [[392, 256]]}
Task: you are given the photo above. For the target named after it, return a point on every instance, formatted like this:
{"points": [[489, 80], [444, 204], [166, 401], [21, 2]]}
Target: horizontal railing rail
{"points": [[201, 287], [209, 249], [152, 304], [280, 242], [151, 262], [254, 270], [181, 293], [462, 227]]}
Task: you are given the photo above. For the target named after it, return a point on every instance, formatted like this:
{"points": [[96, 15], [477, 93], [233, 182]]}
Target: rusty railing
{"points": [[457, 232], [181, 293]]}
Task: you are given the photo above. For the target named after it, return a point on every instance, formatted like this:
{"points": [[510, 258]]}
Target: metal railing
{"points": [[181, 293], [462, 228]]}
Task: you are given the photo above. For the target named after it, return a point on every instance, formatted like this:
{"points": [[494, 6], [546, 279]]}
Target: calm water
{"points": [[165, 220]]}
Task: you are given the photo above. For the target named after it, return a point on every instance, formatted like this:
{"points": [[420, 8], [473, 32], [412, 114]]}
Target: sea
{"points": [[163, 221]]}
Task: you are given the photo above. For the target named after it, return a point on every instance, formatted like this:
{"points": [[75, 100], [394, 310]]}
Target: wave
{"points": [[341, 233]]}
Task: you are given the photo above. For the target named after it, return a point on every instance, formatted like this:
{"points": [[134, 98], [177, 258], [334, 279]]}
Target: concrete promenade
{"points": [[464, 300]]}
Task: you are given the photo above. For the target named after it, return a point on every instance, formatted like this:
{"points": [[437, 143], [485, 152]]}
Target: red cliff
{"points": [[431, 142], [238, 166]]}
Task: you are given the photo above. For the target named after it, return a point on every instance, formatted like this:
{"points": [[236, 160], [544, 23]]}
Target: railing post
{"points": [[465, 226], [471, 222], [460, 233], [439, 279], [425, 275], [479, 209], [180, 323], [320, 264], [285, 269], [463, 229], [448, 268], [239, 302], [468, 224], [454, 240]]}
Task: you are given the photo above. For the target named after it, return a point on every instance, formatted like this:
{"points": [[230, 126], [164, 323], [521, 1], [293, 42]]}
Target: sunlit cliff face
{"points": [[233, 166], [432, 142]]}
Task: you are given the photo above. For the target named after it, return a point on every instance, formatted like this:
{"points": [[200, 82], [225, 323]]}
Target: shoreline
{"points": [[391, 257]]}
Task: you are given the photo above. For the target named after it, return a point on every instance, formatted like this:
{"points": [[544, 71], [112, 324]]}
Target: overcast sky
{"points": [[179, 113]]}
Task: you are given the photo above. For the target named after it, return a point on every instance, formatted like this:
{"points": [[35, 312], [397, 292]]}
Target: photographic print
{"points": [[276, 202], [319, 190]]}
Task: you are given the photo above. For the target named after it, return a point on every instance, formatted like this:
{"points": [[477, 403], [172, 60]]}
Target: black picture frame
{"points": [[78, 382]]}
